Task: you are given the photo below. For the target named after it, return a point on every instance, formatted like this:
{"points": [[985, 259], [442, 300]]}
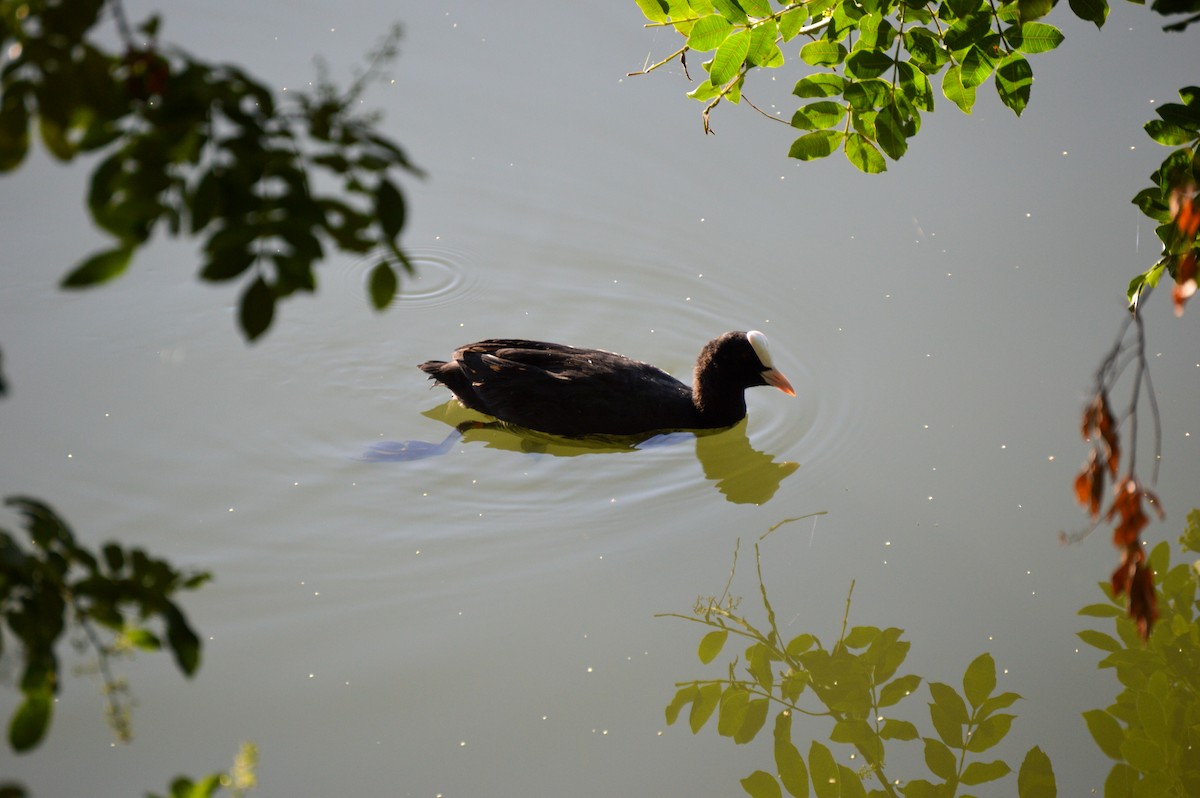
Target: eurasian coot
{"points": [[563, 390]]}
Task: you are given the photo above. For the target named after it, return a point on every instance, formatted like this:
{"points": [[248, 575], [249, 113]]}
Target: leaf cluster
{"points": [[54, 581], [853, 683], [1171, 199], [205, 150], [873, 61], [1152, 729]]}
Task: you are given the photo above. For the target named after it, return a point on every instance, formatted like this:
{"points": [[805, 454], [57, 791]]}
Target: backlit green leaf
{"points": [[763, 50], [823, 53], [655, 10], [820, 115], [1014, 81], [730, 57], [708, 33], [868, 63], [99, 268], [1038, 37], [733, 706], [791, 21], [822, 84], [819, 144], [1036, 778], [1034, 9], [1168, 134], [864, 155], [889, 132], [956, 92]]}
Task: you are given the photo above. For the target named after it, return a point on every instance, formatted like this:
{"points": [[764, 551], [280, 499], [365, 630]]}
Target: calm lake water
{"points": [[482, 623]]}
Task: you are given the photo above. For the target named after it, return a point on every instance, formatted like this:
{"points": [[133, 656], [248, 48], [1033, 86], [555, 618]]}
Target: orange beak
{"points": [[773, 377]]}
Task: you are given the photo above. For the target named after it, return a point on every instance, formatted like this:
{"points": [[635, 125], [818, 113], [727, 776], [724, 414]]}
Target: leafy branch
{"points": [[203, 149], [854, 684]]}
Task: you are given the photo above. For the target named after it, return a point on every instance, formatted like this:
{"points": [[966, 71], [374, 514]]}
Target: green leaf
{"points": [[184, 643], [824, 771], [868, 64], [861, 637], [897, 689], [707, 698], [1014, 81], [753, 718], [791, 21], [711, 645], [31, 720], [1091, 10], [761, 784], [956, 91], [1038, 37], [654, 10], [1106, 731], [99, 268], [889, 132], [730, 57], [683, 697], [979, 680], [822, 84], [820, 115], [382, 285], [996, 702], [947, 698], [1034, 9], [940, 759], [257, 309], [864, 155], [763, 50], [1168, 134], [978, 63], [708, 33], [823, 53], [914, 85], [756, 8], [854, 731], [989, 732], [816, 145], [898, 730], [1036, 778], [983, 772], [1099, 640], [790, 765]]}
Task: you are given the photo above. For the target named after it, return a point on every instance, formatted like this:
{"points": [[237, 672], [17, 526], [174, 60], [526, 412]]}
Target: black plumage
{"points": [[563, 390]]}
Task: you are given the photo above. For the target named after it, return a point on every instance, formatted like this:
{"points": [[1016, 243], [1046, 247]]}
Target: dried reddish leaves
{"points": [[1185, 211], [1132, 576]]}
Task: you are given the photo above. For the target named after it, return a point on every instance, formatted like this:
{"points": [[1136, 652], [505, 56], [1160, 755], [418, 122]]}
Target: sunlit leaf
{"points": [[1014, 82], [983, 772], [889, 132], [711, 645], [956, 91], [820, 115], [733, 706], [655, 10], [1036, 778], [897, 689], [864, 155], [708, 33], [1034, 9], [823, 53], [818, 144], [683, 697], [791, 21], [764, 52], [1038, 37], [730, 57]]}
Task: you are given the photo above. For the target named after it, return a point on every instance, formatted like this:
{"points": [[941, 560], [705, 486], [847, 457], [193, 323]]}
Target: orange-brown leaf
{"points": [[1089, 485]]}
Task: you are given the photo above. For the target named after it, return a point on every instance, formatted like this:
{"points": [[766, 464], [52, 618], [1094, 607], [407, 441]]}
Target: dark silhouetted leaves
{"points": [[257, 308]]}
